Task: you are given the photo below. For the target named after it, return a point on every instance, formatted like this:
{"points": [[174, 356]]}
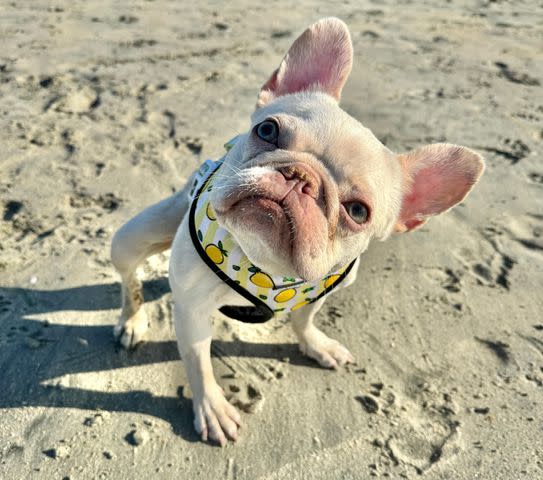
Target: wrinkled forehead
{"points": [[316, 124]]}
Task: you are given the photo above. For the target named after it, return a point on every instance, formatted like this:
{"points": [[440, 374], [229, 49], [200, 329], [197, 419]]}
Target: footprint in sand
{"points": [[449, 279], [246, 389], [247, 397], [527, 230], [489, 265], [425, 431]]}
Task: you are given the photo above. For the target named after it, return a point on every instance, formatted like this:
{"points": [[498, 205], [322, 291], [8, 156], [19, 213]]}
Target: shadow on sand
{"points": [[34, 351]]}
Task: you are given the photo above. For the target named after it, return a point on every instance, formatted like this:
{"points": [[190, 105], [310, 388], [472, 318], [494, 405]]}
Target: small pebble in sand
{"points": [[61, 451], [138, 437], [377, 442], [96, 419]]}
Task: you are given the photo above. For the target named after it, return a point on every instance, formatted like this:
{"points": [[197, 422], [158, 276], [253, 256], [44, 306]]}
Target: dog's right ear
{"points": [[319, 60]]}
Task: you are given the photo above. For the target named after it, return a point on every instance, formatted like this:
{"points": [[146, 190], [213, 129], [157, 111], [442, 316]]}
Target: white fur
{"points": [[347, 157]]}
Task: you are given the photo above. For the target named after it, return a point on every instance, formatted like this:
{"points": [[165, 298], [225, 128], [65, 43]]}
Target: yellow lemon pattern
{"points": [[218, 248], [262, 280], [330, 280], [210, 213], [285, 295], [216, 253]]}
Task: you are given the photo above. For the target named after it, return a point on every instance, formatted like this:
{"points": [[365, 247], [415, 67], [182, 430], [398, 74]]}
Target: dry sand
{"points": [[106, 107]]}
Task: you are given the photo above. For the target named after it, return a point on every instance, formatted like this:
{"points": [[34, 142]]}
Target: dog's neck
{"points": [[271, 294]]}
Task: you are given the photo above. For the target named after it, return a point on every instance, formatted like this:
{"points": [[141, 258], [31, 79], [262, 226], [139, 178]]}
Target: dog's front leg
{"points": [[214, 417], [197, 293]]}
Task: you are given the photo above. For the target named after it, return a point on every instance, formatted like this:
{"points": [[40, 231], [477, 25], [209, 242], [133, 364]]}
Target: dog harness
{"points": [[270, 294]]}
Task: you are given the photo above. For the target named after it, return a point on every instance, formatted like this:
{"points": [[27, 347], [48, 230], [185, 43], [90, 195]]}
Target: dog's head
{"points": [[308, 186]]}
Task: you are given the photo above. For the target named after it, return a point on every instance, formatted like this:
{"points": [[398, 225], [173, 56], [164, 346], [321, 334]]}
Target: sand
{"points": [[106, 107]]}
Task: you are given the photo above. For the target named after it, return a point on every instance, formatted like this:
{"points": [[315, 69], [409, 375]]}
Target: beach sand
{"points": [[107, 107]]}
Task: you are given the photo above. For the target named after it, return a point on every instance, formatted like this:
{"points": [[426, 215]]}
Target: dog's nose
{"points": [[306, 181]]}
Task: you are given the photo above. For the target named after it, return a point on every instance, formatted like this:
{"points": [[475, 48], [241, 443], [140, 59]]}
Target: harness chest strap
{"points": [[270, 294]]}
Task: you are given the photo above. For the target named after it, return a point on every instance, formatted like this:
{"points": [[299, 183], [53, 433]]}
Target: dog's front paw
{"points": [[214, 418], [129, 332], [327, 351]]}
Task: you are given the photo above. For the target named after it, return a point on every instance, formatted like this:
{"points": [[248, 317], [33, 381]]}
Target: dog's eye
{"points": [[357, 211], [268, 131]]}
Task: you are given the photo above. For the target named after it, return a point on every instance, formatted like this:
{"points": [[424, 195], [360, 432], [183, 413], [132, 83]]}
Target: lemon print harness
{"points": [[270, 294]]}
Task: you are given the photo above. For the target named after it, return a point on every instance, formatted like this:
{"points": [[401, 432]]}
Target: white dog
{"points": [[281, 219]]}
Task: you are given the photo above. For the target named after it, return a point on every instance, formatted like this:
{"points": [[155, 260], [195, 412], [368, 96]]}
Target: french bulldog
{"points": [[282, 218]]}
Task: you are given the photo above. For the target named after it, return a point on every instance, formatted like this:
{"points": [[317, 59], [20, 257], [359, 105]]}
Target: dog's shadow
{"points": [[32, 352]]}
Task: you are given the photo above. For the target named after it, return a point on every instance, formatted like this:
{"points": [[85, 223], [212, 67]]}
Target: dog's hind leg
{"points": [[148, 233]]}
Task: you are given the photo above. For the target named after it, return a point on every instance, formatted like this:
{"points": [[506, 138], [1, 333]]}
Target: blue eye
{"points": [[358, 212], [268, 131]]}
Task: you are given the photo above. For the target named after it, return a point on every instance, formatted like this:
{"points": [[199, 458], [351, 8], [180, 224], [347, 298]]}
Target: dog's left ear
{"points": [[319, 60], [436, 177]]}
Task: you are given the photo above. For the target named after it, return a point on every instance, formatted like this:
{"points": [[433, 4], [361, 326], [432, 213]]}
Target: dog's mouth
{"points": [[260, 202], [286, 213], [267, 213]]}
